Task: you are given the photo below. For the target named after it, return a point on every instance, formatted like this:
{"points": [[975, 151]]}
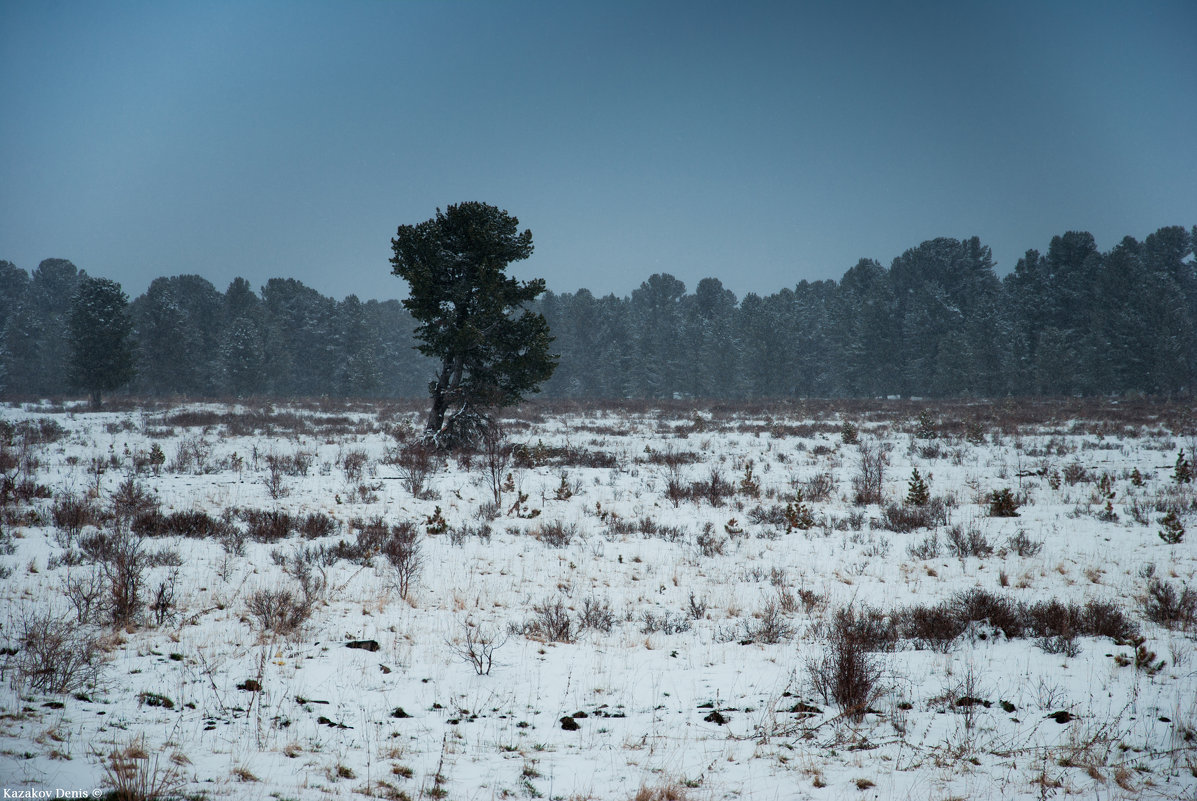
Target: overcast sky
{"points": [[761, 143]]}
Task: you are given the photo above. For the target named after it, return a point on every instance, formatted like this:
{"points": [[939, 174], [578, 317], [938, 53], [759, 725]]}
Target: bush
{"points": [[668, 623], [1023, 545], [904, 518], [847, 674], [122, 558], [870, 478], [1002, 503], [709, 543], [316, 524], [417, 462], [56, 656], [818, 487], [769, 626], [1166, 605], [917, 493], [551, 622], [1172, 529], [962, 544], [71, 514], [268, 526], [280, 611], [978, 605], [130, 501], [930, 626], [1106, 619], [402, 551], [927, 549], [596, 614], [555, 533]]}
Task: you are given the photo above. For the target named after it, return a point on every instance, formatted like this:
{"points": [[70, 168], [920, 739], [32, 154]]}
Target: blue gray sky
{"points": [[761, 143]]}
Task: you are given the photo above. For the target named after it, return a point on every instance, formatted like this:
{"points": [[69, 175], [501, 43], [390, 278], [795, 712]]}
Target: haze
{"points": [[760, 143]]}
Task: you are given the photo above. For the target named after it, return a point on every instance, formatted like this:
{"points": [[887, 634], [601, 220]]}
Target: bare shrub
{"points": [[846, 674], [769, 625], [928, 548], [1107, 619], [496, 457], [666, 623], [353, 464], [316, 524], [715, 489], [477, 646], [903, 518], [291, 464], [869, 480], [267, 525], [416, 462], [818, 488], [402, 551], [1166, 605], [163, 604], [276, 484], [551, 622], [459, 534], [130, 500], [934, 627], [192, 455], [71, 514], [555, 533], [122, 558], [56, 656], [596, 614], [279, 610], [962, 544], [86, 592], [135, 775], [978, 605], [1023, 545]]}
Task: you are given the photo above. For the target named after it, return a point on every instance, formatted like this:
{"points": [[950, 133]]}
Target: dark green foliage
{"points": [[935, 322], [917, 494], [1173, 531], [101, 350], [471, 317], [1002, 503], [1183, 472]]}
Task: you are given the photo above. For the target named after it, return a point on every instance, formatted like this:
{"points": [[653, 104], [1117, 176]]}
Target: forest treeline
{"points": [[937, 322]]}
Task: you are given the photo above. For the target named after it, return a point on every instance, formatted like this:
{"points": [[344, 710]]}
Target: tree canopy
{"points": [[471, 317], [101, 352]]}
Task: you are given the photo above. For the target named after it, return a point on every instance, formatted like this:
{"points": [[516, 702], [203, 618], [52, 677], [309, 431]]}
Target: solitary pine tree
{"points": [[471, 317], [101, 355]]}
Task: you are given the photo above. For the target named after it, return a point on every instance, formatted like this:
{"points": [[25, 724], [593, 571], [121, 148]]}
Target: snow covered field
{"points": [[212, 598]]}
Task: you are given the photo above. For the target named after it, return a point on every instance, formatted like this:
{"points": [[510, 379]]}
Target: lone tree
{"points": [[492, 351], [99, 323]]}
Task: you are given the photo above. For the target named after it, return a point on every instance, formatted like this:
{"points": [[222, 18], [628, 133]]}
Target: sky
{"points": [[761, 143]]}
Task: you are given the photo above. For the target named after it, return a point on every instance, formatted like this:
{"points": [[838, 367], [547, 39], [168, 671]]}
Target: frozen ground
{"points": [[698, 620]]}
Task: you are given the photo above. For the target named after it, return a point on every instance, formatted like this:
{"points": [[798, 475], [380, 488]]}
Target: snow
{"points": [[646, 695]]}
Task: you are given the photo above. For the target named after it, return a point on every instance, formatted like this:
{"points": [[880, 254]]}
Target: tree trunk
{"points": [[436, 415], [95, 400]]}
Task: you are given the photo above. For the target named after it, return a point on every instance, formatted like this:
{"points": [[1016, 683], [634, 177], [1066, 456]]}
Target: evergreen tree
{"points": [[471, 317], [100, 329]]}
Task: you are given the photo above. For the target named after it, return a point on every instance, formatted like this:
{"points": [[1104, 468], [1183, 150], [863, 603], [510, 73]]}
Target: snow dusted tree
{"points": [[491, 350], [101, 353]]}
